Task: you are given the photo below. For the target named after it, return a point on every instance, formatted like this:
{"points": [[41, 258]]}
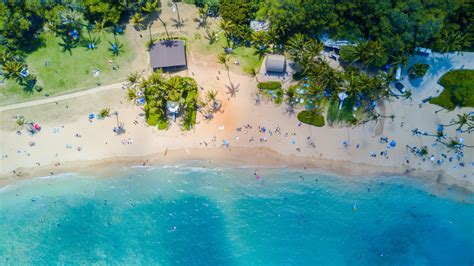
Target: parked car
{"points": [[400, 87]]}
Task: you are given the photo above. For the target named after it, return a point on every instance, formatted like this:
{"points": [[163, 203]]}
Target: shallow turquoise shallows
{"points": [[196, 216]]}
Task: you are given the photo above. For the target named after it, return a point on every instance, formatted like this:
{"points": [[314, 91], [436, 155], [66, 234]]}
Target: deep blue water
{"points": [[195, 216]]}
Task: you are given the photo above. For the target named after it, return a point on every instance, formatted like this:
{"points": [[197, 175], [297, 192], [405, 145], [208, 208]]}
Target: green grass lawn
{"points": [[244, 55], [248, 59], [69, 72], [311, 118], [343, 116], [458, 89]]}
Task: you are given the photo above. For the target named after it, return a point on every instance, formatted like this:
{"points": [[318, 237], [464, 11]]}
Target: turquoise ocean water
{"points": [[196, 216]]}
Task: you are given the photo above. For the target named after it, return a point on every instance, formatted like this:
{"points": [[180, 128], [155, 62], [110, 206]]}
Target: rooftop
{"points": [[275, 63], [168, 53]]}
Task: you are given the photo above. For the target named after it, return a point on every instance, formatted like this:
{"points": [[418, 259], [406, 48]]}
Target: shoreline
{"points": [[69, 141], [236, 157]]}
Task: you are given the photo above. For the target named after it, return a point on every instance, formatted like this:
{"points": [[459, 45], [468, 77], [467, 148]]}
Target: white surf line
{"points": [[61, 97]]}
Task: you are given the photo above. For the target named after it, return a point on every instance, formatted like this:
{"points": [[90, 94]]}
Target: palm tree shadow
{"points": [[178, 24], [290, 110], [232, 89], [439, 64], [150, 18]]}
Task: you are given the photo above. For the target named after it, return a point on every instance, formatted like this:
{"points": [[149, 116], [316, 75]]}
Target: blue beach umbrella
{"points": [[393, 143]]}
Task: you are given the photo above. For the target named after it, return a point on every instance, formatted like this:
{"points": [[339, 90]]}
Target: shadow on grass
{"points": [[343, 116], [33, 45]]}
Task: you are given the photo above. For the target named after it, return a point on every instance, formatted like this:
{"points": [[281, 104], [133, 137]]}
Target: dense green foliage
{"points": [[273, 90], [343, 116], [398, 25], [21, 20], [458, 90], [370, 53], [386, 30], [159, 92], [40, 29], [269, 85], [311, 118], [418, 70], [239, 13]]}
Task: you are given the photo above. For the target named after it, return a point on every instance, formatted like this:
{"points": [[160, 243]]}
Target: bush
{"points": [[311, 118], [418, 70], [162, 124], [269, 85], [458, 89], [104, 112], [152, 120]]}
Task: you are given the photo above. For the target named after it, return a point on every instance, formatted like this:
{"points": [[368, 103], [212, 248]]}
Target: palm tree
{"points": [[226, 26], [104, 112], [99, 26], [5, 57], [361, 53], [72, 18], [262, 51], [211, 96], [151, 6], [12, 69], [376, 54], [132, 94], [253, 73], [68, 45], [295, 46], [260, 41], [406, 94], [462, 120], [223, 59], [291, 94], [421, 151], [450, 41], [401, 59], [134, 77], [203, 14], [115, 47], [211, 35], [20, 121], [179, 22], [137, 21], [260, 38], [454, 144]]}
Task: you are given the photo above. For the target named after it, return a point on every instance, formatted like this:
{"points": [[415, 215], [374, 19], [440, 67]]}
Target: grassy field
{"points": [[458, 90], [244, 55], [336, 116], [67, 72]]}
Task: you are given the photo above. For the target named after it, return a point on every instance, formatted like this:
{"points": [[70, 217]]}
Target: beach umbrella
{"points": [[393, 143], [342, 96], [440, 128], [91, 116]]}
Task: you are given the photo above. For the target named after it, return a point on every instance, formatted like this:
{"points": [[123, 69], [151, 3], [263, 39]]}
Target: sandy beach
{"points": [[243, 132]]}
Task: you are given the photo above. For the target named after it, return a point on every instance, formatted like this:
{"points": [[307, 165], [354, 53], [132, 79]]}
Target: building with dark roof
{"points": [[168, 54], [275, 63]]}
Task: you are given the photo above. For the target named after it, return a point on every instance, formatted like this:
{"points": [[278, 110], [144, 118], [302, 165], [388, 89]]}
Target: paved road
{"points": [[61, 97]]}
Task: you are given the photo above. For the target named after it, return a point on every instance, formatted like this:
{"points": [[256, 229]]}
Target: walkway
{"points": [[61, 97]]}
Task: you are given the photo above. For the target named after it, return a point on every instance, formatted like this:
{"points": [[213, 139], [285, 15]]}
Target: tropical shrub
{"points": [[418, 70], [158, 91], [104, 112], [458, 89], [269, 85], [311, 118]]}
